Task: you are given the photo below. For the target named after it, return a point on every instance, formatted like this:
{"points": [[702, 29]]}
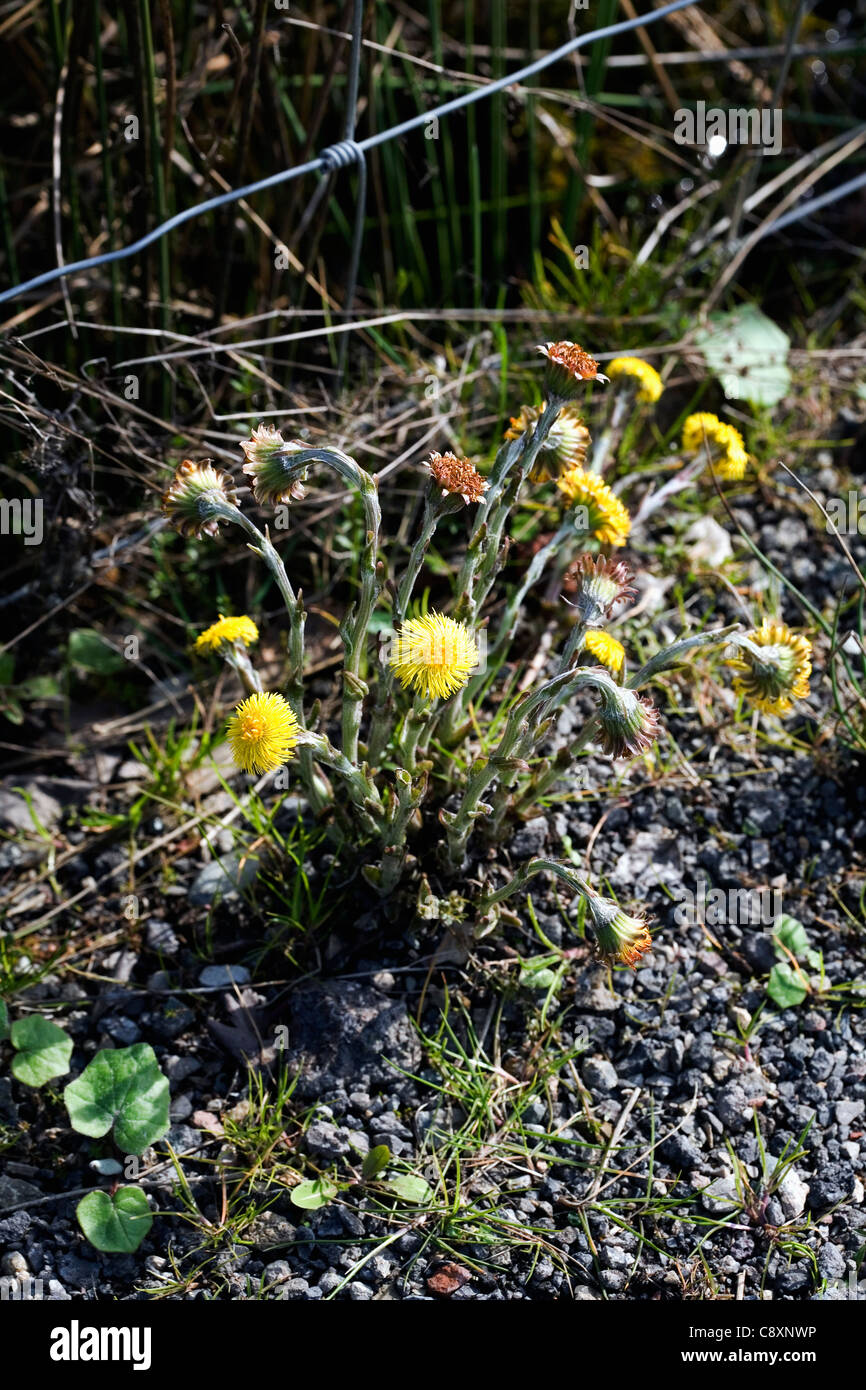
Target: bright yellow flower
{"points": [[434, 655], [780, 675], [646, 378], [262, 732], [241, 630], [608, 519], [732, 464], [727, 450], [605, 649], [694, 427]]}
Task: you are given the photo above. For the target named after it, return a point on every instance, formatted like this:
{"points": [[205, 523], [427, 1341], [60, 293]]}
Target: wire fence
{"points": [[350, 152]]}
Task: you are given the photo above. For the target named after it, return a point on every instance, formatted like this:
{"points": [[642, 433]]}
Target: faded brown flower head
{"points": [[567, 366], [629, 722], [456, 476], [268, 458], [190, 496], [601, 583], [564, 448]]}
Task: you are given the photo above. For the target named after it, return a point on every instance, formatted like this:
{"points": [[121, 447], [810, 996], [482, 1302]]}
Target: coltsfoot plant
{"points": [[443, 730], [122, 1093]]}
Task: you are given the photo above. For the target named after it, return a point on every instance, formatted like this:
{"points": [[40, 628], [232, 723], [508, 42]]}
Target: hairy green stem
{"points": [[435, 506], [356, 622]]}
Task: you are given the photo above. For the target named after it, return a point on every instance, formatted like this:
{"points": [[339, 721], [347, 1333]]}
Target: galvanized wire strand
{"points": [[348, 151], [322, 160]]}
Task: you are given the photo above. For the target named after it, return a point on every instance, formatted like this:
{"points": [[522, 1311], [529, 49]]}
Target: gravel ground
{"points": [[634, 1171]]}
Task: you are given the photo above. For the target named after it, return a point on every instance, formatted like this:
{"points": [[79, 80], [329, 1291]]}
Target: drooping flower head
{"points": [[262, 732], [618, 936], [434, 655], [606, 517], [601, 584], [227, 631], [193, 495], [268, 458], [605, 649], [457, 477], [774, 667], [567, 367], [566, 444], [629, 722], [638, 376], [725, 443]]}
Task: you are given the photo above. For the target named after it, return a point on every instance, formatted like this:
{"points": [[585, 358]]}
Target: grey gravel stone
{"points": [[160, 937], [599, 1074], [833, 1183], [223, 976], [831, 1262], [345, 1029], [224, 878], [530, 839]]}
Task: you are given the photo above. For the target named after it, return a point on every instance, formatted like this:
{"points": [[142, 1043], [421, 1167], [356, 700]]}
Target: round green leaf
{"points": [[748, 353], [791, 933], [409, 1188], [313, 1194], [116, 1224], [123, 1087], [785, 987], [376, 1161], [91, 652], [42, 1048]]}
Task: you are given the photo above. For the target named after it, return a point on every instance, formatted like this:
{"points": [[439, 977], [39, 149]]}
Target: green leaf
{"points": [[314, 1193], [123, 1087], [7, 668], [788, 931], [537, 979], [409, 1188], [43, 1050], [4, 1020], [91, 651], [116, 1224], [785, 987], [748, 353], [39, 688], [376, 1162]]}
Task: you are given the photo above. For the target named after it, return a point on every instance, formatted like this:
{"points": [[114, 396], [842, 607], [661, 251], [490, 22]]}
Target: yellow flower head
{"points": [[195, 495], [565, 446], [727, 450], [434, 655], [607, 518], [776, 671], [642, 376], [732, 463], [227, 630], [262, 732], [605, 649], [696, 426]]}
